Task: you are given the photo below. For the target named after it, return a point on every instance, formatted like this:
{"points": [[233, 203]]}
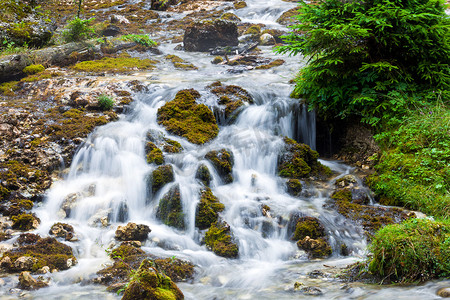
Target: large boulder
{"points": [[203, 36], [132, 232], [219, 239], [208, 209]]}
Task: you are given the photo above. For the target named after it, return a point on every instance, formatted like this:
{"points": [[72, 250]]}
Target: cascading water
{"points": [[108, 185]]}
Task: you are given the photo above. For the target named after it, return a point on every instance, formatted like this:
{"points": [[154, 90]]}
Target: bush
{"points": [[370, 59], [416, 250], [105, 102], [78, 29]]}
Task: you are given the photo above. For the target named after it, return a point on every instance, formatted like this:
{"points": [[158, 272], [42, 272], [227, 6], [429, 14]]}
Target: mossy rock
{"points": [[253, 30], [127, 253], [177, 269], [287, 18], [232, 97], [46, 252], [154, 154], [294, 187], [239, 4], [230, 17], [171, 146], [416, 250], [223, 161], [149, 283], [184, 117], [4, 193], [203, 174], [217, 60], [33, 69], [316, 248], [308, 226], [372, 218], [115, 64], [298, 161], [208, 209], [160, 177], [170, 209], [25, 222], [180, 63], [272, 64], [218, 239]]}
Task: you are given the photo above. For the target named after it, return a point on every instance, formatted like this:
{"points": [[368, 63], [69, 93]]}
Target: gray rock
{"points": [[204, 36]]}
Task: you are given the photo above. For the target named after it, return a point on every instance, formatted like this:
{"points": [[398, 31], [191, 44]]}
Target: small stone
{"points": [[444, 292], [27, 282], [44, 270], [132, 232]]}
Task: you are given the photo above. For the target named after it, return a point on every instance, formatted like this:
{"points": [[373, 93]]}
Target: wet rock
{"points": [[69, 203], [204, 36], [27, 282], [298, 161], [223, 161], [154, 154], [230, 17], [170, 209], [111, 30], [346, 181], [160, 177], [219, 239], [162, 4], [150, 284], [203, 174], [308, 226], [444, 292], [232, 97], [184, 117], [316, 274], [132, 232], [316, 248], [62, 230], [24, 263], [267, 40], [34, 252], [311, 291], [6, 263], [208, 209], [287, 18], [25, 222], [294, 187]]}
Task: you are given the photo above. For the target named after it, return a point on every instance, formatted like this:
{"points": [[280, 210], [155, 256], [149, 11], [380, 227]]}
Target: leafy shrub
{"points": [[141, 39], [105, 102], [78, 29], [370, 59]]}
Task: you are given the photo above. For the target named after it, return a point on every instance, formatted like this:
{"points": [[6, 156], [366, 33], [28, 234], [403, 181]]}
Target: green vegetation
{"points": [[141, 39], [105, 102], [124, 63], [416, 250], [223, 161], [78, 30], [33, 69], [208, 209], [374, 59], [160, 177], [154, 154], [170, 209], [310, 236], [184, 117], [219, 239]]}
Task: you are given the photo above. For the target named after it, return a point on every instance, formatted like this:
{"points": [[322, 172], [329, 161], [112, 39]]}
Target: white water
{"points": [[109, 173]]}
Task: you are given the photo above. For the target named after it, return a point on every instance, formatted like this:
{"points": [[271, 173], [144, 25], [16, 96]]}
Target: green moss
{"points": [[203, 174], [183, 117], [117, 64], [294, 187], [33, 69], [180, 63], [47, 252], [253, 30], [308, 226], [172, 146], [275, 63], [4, 193], [126, 253], [218, 238], [208, 209], [232, 96], [416, 250], [316, 248], [8, 88], [299, 161], [170, 209], [148, 283], [176, 269], [239, 4], [217, 60], [24, 222], [223, 161], [25, 204], [160, 177], [154, 154], [230, 17]]}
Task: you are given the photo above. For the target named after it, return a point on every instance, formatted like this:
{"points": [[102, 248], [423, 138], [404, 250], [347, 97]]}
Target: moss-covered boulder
{"points": [[218, 238], [25, 222], [184, 117], [208, 209], [154, 154], [299, 161], [177, 269], [223, 161], [203, 174], [171, 146], [43, 252], [232, 97], [308, 226], [160, 177], [416, 250], [149, 283], [371, 218], [316, 248], [294, 187], [170, 209]]}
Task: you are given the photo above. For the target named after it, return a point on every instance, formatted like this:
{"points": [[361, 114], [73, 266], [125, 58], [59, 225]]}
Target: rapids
{"points": [[110, 174]]}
